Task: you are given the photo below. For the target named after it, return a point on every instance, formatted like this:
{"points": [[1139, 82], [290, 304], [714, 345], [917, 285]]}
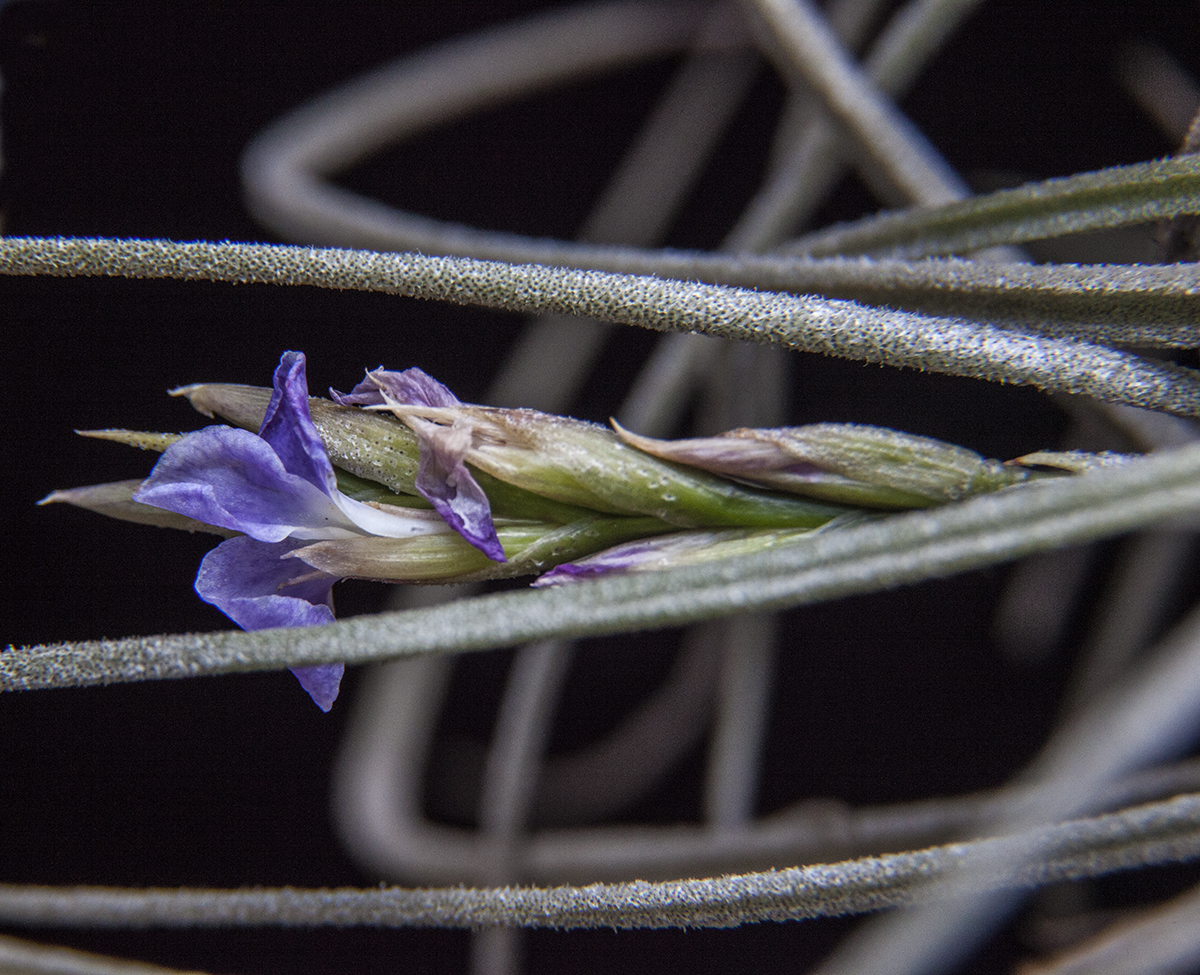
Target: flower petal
{"points": [[366, 393], [443, 478], [628, 557], [233, 479], [679, 548], [390, 521], [257, 586], [276, 485], [445, 482], [408, 387], [322, 681], [288, 427]]}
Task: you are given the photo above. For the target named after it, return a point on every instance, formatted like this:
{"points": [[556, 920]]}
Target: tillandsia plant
{"points": [[873, 700], [442, 491]]}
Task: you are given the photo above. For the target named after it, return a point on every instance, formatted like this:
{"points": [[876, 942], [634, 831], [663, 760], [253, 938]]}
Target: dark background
{"points": [[127, 119]]}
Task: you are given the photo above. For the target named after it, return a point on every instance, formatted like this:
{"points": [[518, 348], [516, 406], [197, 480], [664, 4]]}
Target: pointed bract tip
{"points": [[192, 392], [241, 405], [142, 439]]}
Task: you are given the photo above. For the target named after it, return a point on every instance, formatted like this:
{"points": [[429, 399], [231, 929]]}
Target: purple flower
{"points": [[280, 490], [662, 552], [618, 560], [443, 478], [679, 549]]}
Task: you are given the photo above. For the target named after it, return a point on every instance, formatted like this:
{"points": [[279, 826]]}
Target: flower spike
{"points": [[576, 500]]}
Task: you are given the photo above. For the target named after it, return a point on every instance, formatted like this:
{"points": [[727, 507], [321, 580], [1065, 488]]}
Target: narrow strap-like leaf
{"points": [[1088, 201], [1116, 304], [800, 323], [1157, 833]]}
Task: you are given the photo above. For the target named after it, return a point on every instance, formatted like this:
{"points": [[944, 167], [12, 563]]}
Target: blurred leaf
{"points": [[1087, 201]]}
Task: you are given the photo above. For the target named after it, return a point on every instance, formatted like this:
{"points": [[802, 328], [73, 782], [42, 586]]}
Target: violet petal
{"points": [[322, 681], [366, 393], [570, 572], [233, 479], [618, 559], [407, 387], [444, 481], [442, 476], [410, 387], [258, 587], [287, 426]]}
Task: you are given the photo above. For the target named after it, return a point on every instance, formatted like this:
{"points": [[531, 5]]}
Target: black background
{"points": [[127, 119]]}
